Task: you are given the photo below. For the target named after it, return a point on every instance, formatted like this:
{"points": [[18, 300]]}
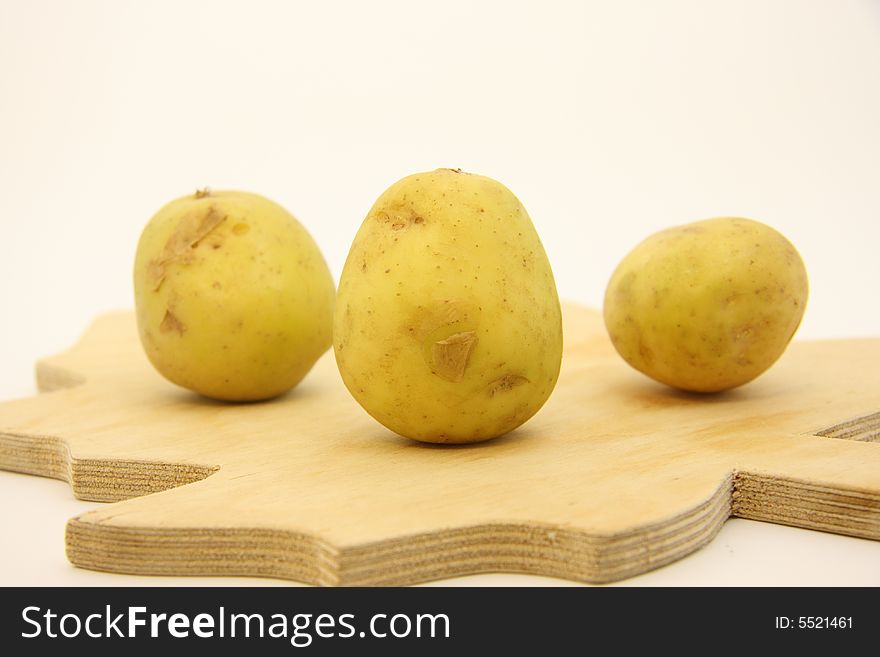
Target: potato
{"points": [[233, 298], [707, 306], [447, 325]]}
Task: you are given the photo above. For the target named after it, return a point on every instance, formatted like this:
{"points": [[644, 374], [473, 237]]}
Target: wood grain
{"points": [[615, 476]]}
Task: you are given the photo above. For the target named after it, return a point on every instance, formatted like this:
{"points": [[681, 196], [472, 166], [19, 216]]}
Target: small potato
{"points": [[707, 306], [447, 326], [233, 298]]}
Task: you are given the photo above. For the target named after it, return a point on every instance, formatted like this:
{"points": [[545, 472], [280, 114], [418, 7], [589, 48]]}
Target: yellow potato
{"points": [[707, 306], [233, 297], [447, 325]]}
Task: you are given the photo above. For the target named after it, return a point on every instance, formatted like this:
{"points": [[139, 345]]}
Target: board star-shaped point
{"points": [[615, 476]]}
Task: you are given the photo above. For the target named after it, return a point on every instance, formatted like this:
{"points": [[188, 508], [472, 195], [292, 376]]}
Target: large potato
{"points": [[447, 325], [707, 306], [233, 297]]}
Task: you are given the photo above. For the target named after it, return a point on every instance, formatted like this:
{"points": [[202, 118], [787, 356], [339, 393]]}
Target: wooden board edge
{"points": [[94, 480], [51, 377], [806, 504], [524, 548], [43, 456]]}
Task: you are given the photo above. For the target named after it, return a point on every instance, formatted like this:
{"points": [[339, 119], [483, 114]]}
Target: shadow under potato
{"points": [[646, 393], [518, 435], [188, 397]]}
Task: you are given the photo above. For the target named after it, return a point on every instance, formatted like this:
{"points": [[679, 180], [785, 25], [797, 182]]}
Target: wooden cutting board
{"points": [[615, 476]]}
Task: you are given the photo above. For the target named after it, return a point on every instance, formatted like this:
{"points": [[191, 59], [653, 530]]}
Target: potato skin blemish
{"points": [[190, 230], [450, 356], [505, 383], [171, 323]]}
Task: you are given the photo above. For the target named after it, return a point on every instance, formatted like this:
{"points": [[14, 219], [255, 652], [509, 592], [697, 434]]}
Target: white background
{"points": [[610, 120]]}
